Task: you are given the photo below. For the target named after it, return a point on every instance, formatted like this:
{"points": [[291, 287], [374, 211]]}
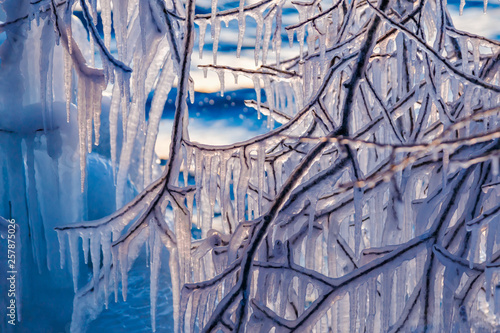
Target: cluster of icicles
{"points": [[366, 235]]}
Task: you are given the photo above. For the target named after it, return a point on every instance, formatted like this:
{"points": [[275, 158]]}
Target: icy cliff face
{"points": [[40, 182], [370, 205]]}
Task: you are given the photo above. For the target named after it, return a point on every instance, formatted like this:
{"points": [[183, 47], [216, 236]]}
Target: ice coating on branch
{"points": [[327, 250]]}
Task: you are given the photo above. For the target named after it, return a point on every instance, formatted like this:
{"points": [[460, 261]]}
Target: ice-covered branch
{"points": [[344, 216]]}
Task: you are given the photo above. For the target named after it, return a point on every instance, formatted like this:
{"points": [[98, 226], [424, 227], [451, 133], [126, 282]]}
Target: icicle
{"points": [[93, 6], [242, 185], [241, 28], [215, 37], [213, 18], [310, 237], [386, 299], [322, 55], [106, 262], [126, 153], [212, 181], [485, 6], [62, 248], [206, 195], [174, 271], [198, 168], [494, 165], [143, 19], [270, 95], [183, 238], [68, 80], [85, 247], [301, 31], [163, 87], [95, 254], [362, 297], [97, 91], [89, 97], [290, 33], [82, 135], [113, 125], [114, 256], [261, 158], [358, 215], [106, 22], [187, 163], [476, 55], [377, 75], [256, 84], [75, 261], [224, 184], [277, 36], [155, 249], [452, 276], [122, 252], [258, 36], [46, 51], [220, 73], [465, 54], [473, 249], [497, 299], [353, 309], [488, 276], [267, 37], [70, 38], [400, 62], [191, 91], [189, 201], [446, 162], [202, 25], [37, 17], [92, 50], [462, 5], [372, 299]]}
